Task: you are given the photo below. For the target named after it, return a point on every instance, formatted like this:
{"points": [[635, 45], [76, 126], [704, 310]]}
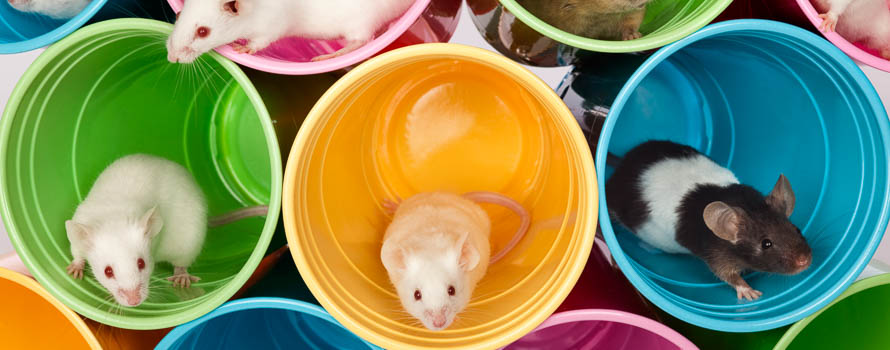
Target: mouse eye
{"points": [[109, 272], [451, 290], [766, 244], [141, 264], [417, 295], [202, 32]]}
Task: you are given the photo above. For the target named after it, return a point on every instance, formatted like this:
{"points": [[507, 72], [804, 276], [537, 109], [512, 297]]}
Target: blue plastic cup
{"points": [[761, 98], [20, 31], [264, 323]]}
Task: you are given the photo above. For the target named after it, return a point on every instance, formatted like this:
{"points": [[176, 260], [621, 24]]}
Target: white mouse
{"points": [[436, 250], [866, 21], [140, 210], [207, 24], [58, 9]]}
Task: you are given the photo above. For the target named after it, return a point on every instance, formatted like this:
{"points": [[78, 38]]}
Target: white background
{"points": [[12, 67]]}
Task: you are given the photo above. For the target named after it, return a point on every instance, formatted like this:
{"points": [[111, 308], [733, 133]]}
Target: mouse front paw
{"points": [[181, 278], [829, 22], [240, 48], [748, 293], [75, 269], [631, 35], [391, 206], [885, 53]]}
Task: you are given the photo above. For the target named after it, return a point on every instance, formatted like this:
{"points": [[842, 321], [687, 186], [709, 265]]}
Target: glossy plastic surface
{"points": [[108, 91], [20, 31], [761, 98], [439, 117], [30, 314], [856, 50], [264, 323], [426, 21], [603, 311], [520, 35]]}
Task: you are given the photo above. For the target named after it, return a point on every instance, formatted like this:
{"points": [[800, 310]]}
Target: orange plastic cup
{"points": [[439, 117], [33, 319]]}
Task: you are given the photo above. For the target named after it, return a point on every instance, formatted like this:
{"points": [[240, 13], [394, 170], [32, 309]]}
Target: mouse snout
{"points": [[182, 55], [132, 296], [438, 318], [803, 261]]}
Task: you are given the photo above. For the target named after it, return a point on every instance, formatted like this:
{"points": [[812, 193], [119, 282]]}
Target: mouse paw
{"points": [[829, 22], [75, 269], [631, 35], [885, 53], [181, 278], [747, 293], [245, 49]]}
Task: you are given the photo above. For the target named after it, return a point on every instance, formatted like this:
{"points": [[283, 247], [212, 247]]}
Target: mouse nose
{"points": [[803, 261], [439, 320], [133, 297]]}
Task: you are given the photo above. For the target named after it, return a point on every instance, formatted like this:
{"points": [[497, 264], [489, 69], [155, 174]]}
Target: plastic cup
{"points": [[107, 91], [856, 50], [264, 323], [30, 313], [439, 117], [20, 31], [426, 21], [603, 311], [520, 35], [761, 98]]}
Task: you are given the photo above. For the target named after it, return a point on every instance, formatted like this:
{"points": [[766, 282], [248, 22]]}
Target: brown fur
{"points": [[595, 19]]}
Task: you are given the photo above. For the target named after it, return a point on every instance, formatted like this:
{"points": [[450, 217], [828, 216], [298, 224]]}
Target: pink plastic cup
{"points": [[603, 311], [802, 13], [426, 21]]}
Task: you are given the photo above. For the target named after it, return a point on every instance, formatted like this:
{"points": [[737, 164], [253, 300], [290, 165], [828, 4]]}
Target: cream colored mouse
{"points": [[436, 250]]}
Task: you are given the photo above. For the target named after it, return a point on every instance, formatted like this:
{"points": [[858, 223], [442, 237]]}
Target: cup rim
{"points": [[641, 282], [59, 33]]}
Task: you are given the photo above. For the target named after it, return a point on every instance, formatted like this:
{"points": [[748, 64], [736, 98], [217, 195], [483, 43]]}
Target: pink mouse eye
{"points": [[141, 264], [109, 272], [202, 32], [417, 295], [451, 290]]}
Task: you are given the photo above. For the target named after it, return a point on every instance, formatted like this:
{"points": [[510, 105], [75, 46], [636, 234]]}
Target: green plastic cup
{"points": [[518, 34], [857, 319], [107, 91]]}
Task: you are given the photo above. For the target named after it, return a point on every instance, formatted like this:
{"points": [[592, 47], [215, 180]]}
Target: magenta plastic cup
{"points": [[426, 21]]}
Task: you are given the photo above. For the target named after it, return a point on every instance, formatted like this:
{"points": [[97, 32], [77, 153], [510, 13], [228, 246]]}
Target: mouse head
{"points": [[758, 228], [119, 253], [433, 283], [203, 25]]}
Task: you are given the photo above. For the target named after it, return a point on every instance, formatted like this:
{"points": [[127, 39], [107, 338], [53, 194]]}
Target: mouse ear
{"points": [[781, 198], [151, 221], [232, 7], [723, 220], [77, 232], [393, 256], [469, 256]]}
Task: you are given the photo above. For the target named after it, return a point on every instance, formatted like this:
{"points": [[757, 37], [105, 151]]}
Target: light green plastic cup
{"points": [[107, 91]]}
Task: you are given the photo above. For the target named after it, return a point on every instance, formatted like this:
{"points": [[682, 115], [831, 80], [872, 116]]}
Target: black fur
{"points": [[623, 194]]}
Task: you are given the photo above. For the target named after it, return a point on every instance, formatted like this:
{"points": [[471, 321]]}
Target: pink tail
{"points": [[243, 213], [506, 202]]}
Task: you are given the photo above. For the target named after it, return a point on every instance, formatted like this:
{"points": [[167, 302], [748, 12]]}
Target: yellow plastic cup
{"points": [[439, 117], [32, 319]]}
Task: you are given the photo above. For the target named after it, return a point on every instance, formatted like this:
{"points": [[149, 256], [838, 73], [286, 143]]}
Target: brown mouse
{"points": [[595, 19]]}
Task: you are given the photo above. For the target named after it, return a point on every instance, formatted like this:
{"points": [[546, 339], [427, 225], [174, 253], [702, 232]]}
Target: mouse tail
{"points": [[509, 203], [240, 214], [612, 160]]}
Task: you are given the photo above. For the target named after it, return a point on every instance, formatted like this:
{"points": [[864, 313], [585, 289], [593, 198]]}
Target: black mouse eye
{"points": [[202, 32], [417, 295], [141, 264], [766, 244], [451, 290], [109, 272]]}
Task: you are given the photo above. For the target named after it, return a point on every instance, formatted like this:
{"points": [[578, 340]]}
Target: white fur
{"points": [[663, 185], [111, 212], [59, 9], [262, 22], [867, 21]]}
